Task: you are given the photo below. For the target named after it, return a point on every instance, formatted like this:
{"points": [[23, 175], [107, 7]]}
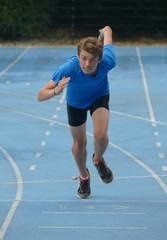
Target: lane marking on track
{"points": [[43, 143], [47, 133], [158, 144], [85, 200], [153, 174], [38, 154], [139, 118], [18, 196], [150, 108], [148, 99], [32, 167], [164, 168], [55, 116], [111, 111], [70, 180], [95, 213], [100, 228], [15, 61], [161, 155]]}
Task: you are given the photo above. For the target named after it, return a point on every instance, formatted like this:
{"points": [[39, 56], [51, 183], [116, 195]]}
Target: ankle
{"points": [[84, 179], [84, 175], [96, 160]]}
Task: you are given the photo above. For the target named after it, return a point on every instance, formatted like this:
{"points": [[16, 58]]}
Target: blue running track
{"points": [[38, 198]]}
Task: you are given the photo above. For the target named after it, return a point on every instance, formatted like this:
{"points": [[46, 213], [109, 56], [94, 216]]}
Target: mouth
{"points": [[87, 69]]}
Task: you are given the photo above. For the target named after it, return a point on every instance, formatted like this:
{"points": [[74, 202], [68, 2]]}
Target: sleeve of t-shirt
{"points": [[109, 59], [64, 70]]}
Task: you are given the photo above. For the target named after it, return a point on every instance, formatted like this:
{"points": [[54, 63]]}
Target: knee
{"points": [[101, 138], [79, 145]]}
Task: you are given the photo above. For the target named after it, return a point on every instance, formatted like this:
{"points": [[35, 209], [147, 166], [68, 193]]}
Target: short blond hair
{"points": [[91, 45]]}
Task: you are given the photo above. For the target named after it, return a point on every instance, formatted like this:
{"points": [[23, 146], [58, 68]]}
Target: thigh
{"points": [[100, 114], [100, 121], [76, 116], [79, 134], [102, 102]]}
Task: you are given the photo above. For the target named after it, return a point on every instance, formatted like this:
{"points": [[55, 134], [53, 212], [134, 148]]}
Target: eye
{"points": [[83, 58], [93, 60]]}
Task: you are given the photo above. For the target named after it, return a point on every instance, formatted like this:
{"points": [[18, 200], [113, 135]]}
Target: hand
{"points": [[105, 35], [105, 29], [62, 84], [101, 35]]}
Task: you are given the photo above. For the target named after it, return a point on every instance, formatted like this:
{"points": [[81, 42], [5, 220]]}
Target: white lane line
{"points": [[89, 201], [158, 144], [15, 61], [94, 213], [43, 143], [52, 122], [32, 167], [151, 112], [55, 116], [62, 227], [47, 133], [139, 118], [111, 111], [38, 154], [153, 174], [164, 168], [161, 155], [70, 180], [18, 196], [129, 115]]}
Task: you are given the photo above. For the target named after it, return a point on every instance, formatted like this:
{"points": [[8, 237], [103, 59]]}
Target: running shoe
{"points": [[104, 171], [84, 190]]}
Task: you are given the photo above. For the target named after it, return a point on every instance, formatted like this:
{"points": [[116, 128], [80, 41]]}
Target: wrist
{"points": [[55, 93]]}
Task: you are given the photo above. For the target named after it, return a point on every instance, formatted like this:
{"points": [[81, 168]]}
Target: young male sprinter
{"points": [[85, 77]]}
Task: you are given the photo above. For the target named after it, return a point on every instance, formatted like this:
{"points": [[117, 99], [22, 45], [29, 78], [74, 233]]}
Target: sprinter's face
{"points": [[88, 63]]}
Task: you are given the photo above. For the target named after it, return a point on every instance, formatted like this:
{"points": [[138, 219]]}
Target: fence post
{"points": [[73, 21]]}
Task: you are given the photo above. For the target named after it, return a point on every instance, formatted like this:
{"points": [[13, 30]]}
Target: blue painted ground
{"points": [[38, 197]]}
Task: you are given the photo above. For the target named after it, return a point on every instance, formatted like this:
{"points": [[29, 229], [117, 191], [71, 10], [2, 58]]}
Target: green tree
{"points": [[25, 19]]}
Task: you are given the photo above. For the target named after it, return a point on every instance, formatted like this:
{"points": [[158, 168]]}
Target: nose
{"points": [[87, 63]]}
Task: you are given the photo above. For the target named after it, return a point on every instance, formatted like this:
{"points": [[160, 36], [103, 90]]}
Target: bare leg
{"points": [[100, 120], [79, 148]]}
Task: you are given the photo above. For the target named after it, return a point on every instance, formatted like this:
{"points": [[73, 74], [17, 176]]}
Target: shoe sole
{"points": [[84, 197], [107, 182]]}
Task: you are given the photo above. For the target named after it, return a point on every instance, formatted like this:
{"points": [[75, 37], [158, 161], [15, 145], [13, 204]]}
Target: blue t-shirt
{"points": [[83, 89]]}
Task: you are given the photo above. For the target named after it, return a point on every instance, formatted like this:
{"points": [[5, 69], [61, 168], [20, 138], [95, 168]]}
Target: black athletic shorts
{"points": [[78, 116]]}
